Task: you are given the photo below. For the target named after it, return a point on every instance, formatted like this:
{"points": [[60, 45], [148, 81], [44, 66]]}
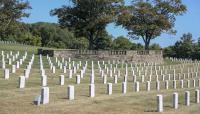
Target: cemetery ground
{"points": [[15, 100]]}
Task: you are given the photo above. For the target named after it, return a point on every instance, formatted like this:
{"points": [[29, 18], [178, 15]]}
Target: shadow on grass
{"points": [[64, 98], [154, 110], [150, 110]]}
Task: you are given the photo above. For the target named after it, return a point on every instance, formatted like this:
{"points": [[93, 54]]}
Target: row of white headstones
{"points": [[11, 42], [91, 85], [11, 59], [17, 65], [175, 100], [44, 96]]}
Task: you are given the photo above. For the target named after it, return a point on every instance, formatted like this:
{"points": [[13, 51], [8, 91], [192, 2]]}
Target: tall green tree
{"points": [[11, 11], [147, 19], [52, 35], [29, 39], [169, 52], [88, 18], [122, 43], [185, 47], [198, 42], [104, 41], [155, 47], [81, 43]]}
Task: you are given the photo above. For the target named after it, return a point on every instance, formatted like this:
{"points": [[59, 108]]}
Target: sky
{"points": [[188, 22]]}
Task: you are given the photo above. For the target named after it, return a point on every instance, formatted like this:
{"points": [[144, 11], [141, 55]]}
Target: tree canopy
{"points": [[88, 18], [186, 47], [122, 43], [11, 11], [147, 19], [82, 25], [52, 35]]}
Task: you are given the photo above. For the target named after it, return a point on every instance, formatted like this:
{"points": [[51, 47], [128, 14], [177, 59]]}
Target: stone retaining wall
{"points": [[122, 55]]}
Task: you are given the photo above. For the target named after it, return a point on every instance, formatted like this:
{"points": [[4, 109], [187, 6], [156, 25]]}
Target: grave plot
{"points": [[42, 84]]}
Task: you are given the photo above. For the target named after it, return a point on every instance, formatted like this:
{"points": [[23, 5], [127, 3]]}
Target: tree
{"points": [[122, 43], [52, 35], [28, 38], [198, 41], [81, 43], [88, 18], [140, 46], [11, 11], [185, 47], [147, 19], [195, 54], [169, 52], [104, 41], [155, 47]]}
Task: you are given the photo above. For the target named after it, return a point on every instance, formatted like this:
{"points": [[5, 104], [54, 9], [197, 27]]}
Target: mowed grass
{"points": [[20, 47], [20, 101]]}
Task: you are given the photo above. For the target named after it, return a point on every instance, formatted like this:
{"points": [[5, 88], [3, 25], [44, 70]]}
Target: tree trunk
{"points": [[147, 42], [91, 45], [146, 46], [91, 42]]}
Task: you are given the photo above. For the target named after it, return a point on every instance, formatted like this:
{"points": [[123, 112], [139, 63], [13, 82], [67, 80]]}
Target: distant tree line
{"points": [[51, 35], [82, 23], [143, 19], [186, 47]]}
